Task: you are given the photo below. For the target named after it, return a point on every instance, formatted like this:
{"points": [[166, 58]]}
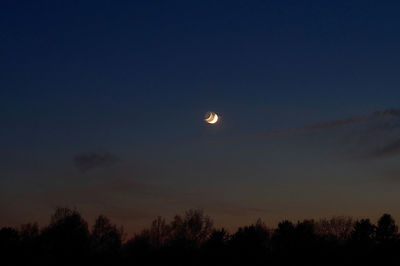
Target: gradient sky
{"points": [[101, 108]]}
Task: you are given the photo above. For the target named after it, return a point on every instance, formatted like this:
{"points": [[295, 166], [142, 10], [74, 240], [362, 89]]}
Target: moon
{"points": [[211, 118]]}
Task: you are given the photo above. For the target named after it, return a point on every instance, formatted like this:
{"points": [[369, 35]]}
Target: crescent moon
{"points": [[209, 118], [212, 119]]}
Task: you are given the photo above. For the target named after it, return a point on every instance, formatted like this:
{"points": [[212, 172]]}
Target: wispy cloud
{"points": [[390, 149], [333, 123], [376, 141], [90, 160]]}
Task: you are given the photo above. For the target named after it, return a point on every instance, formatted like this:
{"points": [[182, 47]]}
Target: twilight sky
{"points": [[101, 107]]}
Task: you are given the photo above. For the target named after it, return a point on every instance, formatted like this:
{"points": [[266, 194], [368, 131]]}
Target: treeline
{"points": [[191, 239]]}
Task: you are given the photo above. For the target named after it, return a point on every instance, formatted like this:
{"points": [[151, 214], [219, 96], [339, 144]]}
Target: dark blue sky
{"points": [[132, 80]]}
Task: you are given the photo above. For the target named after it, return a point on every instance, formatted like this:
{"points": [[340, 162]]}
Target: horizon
{"points": [[128, 236]]}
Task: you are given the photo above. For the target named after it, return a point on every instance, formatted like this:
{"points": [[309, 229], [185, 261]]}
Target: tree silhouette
{"points": [[339, 227], [159, 232], [67, 236], [191, 239], [9, 244], [386, 230], [105, 239], [284, 237], [251, 242], [305, 240], [29, 232], [216, 247], [218, 239], [363, 232], [138, 249], [362, 242], [387, 239], [29, 241], [191, 230]]}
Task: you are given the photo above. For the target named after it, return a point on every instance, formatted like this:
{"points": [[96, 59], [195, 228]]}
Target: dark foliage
{"points": [[191, 239]]}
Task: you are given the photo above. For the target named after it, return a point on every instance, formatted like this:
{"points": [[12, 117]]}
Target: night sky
{"points": [[102, 106]]}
